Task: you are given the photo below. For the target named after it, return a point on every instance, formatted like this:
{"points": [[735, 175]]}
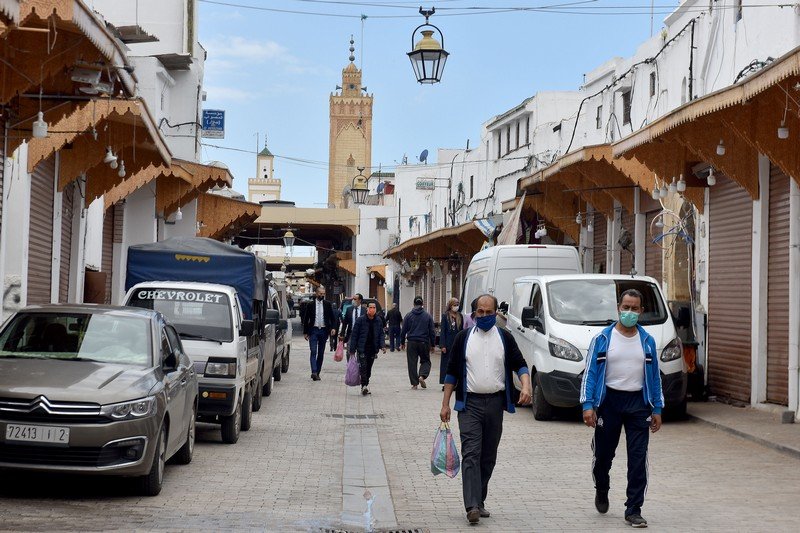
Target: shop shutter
{"points": [[2, 181], [729, 295], [653, 255], [108, 250], [40, 243], [599, 243], [778, 289], [67, 198], [626, 257]]}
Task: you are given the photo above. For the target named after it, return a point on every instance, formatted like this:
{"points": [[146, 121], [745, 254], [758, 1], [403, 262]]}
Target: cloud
{"points": [[229, 94], [233, 53]]}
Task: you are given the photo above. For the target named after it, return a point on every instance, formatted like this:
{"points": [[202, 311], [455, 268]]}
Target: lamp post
{"points": [[359, 188], [428, 56]]}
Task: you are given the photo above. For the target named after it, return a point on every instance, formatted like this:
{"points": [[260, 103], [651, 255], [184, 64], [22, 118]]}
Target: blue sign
{"points": [[213, 123]]}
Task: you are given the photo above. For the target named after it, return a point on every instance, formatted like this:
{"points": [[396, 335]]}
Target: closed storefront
{"points": [[625, 256], [599, 243], [112, 233], [729, 290], [67, 198], [653, 255], [778, 289], [40, 241]]}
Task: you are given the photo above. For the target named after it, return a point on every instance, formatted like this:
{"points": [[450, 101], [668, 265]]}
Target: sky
{"points": [[273, 73]]}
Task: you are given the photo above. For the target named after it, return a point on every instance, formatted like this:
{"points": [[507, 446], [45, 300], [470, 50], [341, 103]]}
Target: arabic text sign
{"points": [[213, 123]]}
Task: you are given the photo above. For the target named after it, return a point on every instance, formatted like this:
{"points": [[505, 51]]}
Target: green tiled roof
{"points": [[265, 152]]}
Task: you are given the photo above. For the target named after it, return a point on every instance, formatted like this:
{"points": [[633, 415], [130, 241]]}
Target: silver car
{"points": [[96, 390]]}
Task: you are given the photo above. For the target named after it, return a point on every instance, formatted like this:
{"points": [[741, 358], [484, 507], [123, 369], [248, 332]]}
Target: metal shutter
{"points": [[626, 257], [67, 198], [778, 289], [729, 294], [108, 250], [2, 181], [40, 243], [653, 255], [599, 243]]}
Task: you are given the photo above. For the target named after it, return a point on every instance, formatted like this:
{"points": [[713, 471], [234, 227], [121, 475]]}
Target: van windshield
{"points": [[593, 302], [197, 315]]}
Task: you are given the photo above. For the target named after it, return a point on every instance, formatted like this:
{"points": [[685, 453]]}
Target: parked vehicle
{"points": [[494, 270], [555, 318], [283, 332], [217, 297], [95, 390]]}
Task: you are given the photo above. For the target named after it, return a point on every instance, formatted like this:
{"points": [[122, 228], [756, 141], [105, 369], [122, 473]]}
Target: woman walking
{"points": [[452, 322]]}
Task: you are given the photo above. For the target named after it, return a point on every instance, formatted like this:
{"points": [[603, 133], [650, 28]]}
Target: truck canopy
{"points": [[201, 260]]}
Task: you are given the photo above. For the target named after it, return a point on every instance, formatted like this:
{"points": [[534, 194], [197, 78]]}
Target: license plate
{"points": [[43, 434]]}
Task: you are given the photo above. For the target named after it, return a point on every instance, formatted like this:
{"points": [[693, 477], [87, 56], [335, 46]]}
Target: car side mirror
{"points": [[283, 324], [530, 320], [503, 308], [170, 362], [271, 316], [247, 328]]}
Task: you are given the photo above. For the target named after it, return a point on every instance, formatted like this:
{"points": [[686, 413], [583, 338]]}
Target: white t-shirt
{"points": [[625, 362], [319, 318], [485, 359]]}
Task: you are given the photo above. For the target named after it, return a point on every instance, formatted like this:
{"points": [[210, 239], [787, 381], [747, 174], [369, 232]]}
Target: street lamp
{"points": [[428, 56], [359, 188], [288, 238]]}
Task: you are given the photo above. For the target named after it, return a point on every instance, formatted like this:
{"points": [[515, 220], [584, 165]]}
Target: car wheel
{"points": [[247, 411], [541, 409], [232, 425], [258, 395], [152, 482], [184, 455], [276, 373], [285, 360], [268, 385]]}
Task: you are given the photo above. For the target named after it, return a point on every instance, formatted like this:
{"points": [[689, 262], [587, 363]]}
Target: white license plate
{"points": [[44, 434]]}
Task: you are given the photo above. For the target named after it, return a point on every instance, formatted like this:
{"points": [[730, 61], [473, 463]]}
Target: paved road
{"points": [[319, 455]]}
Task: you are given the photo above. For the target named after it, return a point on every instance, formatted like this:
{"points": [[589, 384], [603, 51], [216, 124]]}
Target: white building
{"points": [[264, 187]]}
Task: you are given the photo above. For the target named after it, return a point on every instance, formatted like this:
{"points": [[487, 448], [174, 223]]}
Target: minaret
{"points": [[351, 131], [264, 186]]}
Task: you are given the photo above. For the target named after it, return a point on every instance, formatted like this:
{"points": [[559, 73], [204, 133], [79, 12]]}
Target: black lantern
{"points": [[288, 238], [359, 188], [428, 56]]}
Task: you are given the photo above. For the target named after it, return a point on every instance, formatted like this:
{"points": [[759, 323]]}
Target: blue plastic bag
{"points": [[444, 456]]}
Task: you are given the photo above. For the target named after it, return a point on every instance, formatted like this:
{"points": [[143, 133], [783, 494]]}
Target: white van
{"points": [[493, 271], [555, 318]]}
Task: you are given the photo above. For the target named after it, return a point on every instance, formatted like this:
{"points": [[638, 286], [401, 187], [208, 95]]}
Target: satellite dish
{"points": [[423, 157]]}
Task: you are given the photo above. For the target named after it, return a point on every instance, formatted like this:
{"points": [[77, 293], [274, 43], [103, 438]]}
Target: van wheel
{"points": [[232, 425], [258, 395], [285, 360], [276, 373], [268, 385], [184, 455], [541, 409], [247, 411], [151, 483]]}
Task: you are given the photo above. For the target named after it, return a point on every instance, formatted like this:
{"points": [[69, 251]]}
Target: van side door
{"points": [[520, 298]]}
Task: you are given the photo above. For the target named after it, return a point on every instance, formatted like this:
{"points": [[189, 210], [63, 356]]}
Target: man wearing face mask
{"points": [[482, 361], [622, 387], [366, 339], [318, 324]]}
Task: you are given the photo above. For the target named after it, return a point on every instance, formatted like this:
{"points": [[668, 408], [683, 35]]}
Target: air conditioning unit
{"points": [[86, 75]]}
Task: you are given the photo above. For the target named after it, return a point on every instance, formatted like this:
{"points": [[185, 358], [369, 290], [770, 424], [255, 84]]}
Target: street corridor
{"points": [[320, 457]]}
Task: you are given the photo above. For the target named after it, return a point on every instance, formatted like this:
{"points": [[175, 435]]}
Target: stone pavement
{"points": [[320, 457]]}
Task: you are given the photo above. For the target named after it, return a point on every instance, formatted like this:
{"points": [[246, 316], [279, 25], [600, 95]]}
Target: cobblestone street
{"points": [[317, 447]]}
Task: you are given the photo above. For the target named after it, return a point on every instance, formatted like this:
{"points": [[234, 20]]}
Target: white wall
{"points": [[372, 242], [15, 230]]}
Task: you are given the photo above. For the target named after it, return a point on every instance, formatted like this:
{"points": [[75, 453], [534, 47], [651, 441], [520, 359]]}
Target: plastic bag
{"points": [[339, 354], [353, 375], [444, 456]]}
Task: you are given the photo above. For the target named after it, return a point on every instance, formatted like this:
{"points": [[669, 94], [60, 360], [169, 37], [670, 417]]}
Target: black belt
{"points": [[486, 395]]}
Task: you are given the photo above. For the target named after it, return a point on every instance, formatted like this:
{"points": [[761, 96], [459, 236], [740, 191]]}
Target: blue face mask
{"points": [[486, 322], [628, 318]]}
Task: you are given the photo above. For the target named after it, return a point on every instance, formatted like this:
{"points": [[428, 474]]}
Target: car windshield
{"points": [[594, 301], [195, 314], [77, 337]]}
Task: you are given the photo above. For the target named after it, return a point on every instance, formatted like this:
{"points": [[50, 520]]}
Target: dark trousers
{"points": [[365, 362], [481, 426], [445, 360], [394, 337], [334, 340], [317, 339], [628, 409], [418, 352]]}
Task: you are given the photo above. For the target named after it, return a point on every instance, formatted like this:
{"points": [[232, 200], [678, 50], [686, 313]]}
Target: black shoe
{"points": [[315, 377], [484, 513], [364, 390], [422, 383], [474, 515], [635, 520], [601, 501]]}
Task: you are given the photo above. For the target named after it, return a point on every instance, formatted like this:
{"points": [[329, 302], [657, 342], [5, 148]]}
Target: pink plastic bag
{"points": [[353, 375], [339, 355], [444, 456]]}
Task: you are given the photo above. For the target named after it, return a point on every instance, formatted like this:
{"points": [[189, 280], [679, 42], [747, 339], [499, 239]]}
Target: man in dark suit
{"points": [[354, 312], [318, 324]]}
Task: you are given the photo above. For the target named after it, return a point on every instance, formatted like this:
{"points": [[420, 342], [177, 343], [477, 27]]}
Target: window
{"points": [[499, 145], [594, 301], [471, 186], [527, 130], [381, 223], [516, 143], [194, 314], [520, 296], [508, 138], [537, 302], [599, 118], [626, 107], [652, 83]]}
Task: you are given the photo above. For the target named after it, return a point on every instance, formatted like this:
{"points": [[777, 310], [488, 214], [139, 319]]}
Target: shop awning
{"points": [[348, 265], [464, 239], [378, 270], [221, 217]]}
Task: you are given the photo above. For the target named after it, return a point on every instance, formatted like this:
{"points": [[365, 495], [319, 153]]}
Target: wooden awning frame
{"points": [[465, 239], [379, 270], [221, 217]]}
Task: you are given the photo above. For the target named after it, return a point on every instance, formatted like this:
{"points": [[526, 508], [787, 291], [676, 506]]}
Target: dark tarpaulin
{"points": [[201, 260]]}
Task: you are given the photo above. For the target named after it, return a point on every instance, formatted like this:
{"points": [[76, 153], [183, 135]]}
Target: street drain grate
{"points": [[357, 417], [398, 530]]}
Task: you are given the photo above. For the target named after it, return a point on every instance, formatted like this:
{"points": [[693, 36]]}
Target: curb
{"points": [[788, 450]]}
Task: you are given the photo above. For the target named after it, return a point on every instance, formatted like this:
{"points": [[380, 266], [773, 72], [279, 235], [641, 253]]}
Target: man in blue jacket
{"points": [[622, 387], [418, 330], [366, 339]]}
